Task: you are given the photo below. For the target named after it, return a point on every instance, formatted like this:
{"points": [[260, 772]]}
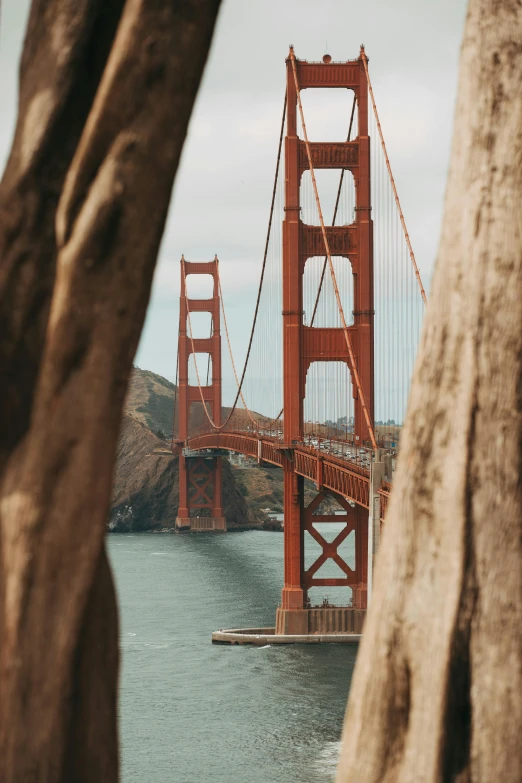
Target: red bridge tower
{"points": [[200, 475], [304, 345]]}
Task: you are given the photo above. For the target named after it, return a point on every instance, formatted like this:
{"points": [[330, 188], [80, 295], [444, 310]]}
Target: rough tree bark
{"points": [[106, 92], [436, 694]]}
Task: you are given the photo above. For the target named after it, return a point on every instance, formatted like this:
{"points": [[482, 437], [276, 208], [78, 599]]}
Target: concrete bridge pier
{"points": [[201, 524], [319, 620]]}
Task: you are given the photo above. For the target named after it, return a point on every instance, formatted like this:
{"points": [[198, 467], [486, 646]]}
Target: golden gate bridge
{"points": [[323, 389]]}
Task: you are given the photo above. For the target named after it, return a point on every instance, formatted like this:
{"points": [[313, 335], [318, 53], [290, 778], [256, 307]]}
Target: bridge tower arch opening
{"points": [[303, 344], [200, 474]]}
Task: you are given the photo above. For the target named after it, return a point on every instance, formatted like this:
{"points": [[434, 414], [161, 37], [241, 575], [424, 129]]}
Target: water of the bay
{"points": [[194, 711]]}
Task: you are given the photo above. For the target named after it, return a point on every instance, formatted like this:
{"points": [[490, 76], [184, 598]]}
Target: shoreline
{"points": [[171, 530]]}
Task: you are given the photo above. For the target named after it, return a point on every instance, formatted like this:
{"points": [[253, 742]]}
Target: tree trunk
{"points": [[436, 694], [106, 93]]}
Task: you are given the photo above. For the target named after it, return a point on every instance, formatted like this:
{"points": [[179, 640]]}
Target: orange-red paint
{"points": [[304, 345]]}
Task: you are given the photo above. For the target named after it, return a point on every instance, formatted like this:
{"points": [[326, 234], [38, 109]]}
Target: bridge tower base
{"points": [[320, 620], [201, 525], [296, 615]]}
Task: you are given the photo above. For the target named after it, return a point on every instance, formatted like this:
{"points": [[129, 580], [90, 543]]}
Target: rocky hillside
{"points": [[145, 491], [150, 400]]}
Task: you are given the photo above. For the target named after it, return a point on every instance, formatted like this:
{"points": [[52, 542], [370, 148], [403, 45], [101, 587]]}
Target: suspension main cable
{"points": [[388, 166], [239, 385], [239, 389], [256, 312], [265, 254], [212, 423], [339, 189], [191, 337], [330, 263]]}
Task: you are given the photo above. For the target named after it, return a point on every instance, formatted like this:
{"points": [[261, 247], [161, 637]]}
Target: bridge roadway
{"points": [[328, 472]]}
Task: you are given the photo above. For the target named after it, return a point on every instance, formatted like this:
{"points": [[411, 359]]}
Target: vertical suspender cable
{"points": [[396, 195]]}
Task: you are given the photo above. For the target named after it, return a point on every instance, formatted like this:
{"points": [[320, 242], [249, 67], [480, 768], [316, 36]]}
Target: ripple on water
{"points": [[328, 759]]}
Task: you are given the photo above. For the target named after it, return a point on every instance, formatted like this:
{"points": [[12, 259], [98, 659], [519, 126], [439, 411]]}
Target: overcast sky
{"points": [[222, 191]]}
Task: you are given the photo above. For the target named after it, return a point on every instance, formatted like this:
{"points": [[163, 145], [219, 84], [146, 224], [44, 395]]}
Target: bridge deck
{"points": [[339, 475]]}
